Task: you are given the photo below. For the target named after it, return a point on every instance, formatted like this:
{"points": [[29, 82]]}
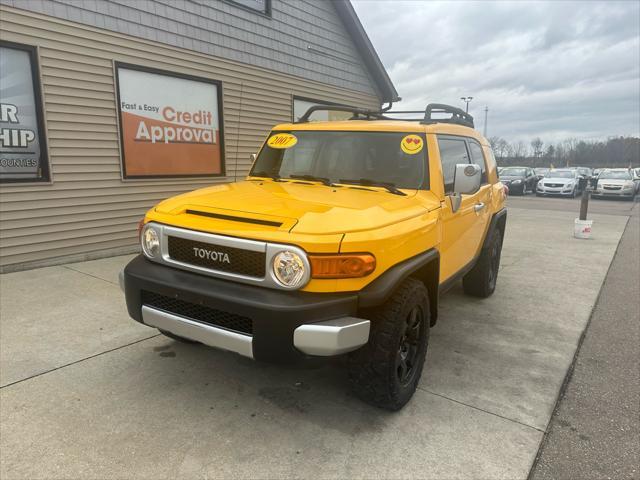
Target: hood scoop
{"points": [[233, 218]]}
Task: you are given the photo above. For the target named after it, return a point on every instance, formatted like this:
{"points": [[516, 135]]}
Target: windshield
{"points": [[541, 171], [513, 172], [333, 156], [560, 174], [615, 175]]}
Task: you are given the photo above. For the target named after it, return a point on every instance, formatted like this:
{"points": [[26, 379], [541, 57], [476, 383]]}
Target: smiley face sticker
{"points": [[412, 144], [282, 140]]}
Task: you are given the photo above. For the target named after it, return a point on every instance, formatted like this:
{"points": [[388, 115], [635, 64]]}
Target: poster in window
{"points": [[170, 125], [23, 149]]}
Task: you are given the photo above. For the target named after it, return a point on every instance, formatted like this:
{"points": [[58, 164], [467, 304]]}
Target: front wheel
{"points": [[481, 280], [386, 371]]}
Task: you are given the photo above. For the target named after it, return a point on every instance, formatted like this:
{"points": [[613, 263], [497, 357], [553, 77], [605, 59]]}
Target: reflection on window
{"points": [[452, 152]]}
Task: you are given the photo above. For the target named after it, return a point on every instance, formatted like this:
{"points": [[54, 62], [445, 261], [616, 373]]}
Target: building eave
{"points": [[364, 46]]}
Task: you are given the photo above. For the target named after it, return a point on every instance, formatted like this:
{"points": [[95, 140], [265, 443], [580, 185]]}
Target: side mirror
{"points": [[253, 157], [467, 179]]}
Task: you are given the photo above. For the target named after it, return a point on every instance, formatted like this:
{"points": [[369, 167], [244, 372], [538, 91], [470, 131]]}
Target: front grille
{"points": [[554, 185], [613, 187], [200, 313], [216, 257]]}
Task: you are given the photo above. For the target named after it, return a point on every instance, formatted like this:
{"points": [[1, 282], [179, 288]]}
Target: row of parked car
{"points": [[570, 182]]}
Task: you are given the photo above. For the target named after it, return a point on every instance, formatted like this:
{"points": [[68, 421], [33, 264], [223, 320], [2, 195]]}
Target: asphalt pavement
{"points": [[85, 392], [595, 429]]}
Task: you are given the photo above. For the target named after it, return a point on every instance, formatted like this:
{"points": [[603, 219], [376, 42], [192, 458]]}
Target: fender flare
{"points": [[425, 265], [498, 221]]}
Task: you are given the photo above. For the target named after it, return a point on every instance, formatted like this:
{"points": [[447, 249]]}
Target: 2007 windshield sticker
{"points": [[411, 144], [282, 140]]}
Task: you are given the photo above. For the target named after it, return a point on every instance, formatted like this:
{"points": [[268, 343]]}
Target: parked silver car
{"points": [[561, 181], [635, 173], [615, 182]]}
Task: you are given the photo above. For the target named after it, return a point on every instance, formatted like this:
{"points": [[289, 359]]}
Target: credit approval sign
{"points": [[170, 124]]}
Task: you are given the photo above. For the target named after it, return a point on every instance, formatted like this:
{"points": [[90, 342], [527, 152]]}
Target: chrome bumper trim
{"points": [[270, 250], [207, 334], [332, 337]]}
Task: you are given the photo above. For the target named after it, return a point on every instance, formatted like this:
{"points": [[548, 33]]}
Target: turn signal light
{"points": [[140, 225], [342, 266]]}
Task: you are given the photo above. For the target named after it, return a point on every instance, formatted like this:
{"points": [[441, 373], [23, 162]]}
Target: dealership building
{"points": [[109, 106]]}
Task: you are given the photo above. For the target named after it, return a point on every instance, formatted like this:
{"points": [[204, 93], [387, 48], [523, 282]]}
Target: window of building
{"points": [[478, 157], [170, 124], [452, 152], [23, 147], [260, 6], [301, 105]]}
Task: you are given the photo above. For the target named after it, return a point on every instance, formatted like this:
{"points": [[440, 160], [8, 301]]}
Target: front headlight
{"points": [[629, 184], [289, 269], [150, 240], [517, 182], [569, 185]]}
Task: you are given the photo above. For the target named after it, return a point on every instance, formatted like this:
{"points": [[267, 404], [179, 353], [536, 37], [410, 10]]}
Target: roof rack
{"points": [[458, 116]]}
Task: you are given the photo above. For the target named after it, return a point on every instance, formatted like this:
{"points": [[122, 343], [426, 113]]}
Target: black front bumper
{"points": [[274, 314]]}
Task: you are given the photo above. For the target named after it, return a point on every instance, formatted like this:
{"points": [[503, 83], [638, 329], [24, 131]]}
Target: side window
{"points": [[452, 152], [478, 157], [491, 161]]}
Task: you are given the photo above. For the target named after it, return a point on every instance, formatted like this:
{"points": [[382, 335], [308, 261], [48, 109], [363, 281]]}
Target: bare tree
{"points": [[519, 150], [536, 145]]}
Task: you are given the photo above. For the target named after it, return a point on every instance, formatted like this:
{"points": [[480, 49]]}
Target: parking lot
{"points": [[88, 393]]}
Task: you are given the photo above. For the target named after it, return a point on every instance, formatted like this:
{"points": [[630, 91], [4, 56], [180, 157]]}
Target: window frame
{"points": [[45, 158], [266, 13], [458, 138], [310, 100], [426, 180], [123, 172], [485, 171]]}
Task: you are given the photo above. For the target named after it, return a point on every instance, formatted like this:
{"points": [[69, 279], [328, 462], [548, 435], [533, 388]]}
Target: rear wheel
{"points": [[386, 371], [481, 280]]}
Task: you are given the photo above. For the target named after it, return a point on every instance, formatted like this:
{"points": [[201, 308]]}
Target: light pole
{"points": [[466, 100], [486, 114]]}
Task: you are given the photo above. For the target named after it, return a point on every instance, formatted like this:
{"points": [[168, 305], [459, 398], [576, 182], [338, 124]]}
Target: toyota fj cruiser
{"points": [[340, 240]]}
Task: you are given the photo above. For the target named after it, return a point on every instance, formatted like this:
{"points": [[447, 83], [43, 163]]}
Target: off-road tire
{"points": [[375, 370], [175, 337], [481, 279]]}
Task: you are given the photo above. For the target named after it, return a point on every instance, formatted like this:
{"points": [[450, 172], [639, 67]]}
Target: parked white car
{"points": [[615, 182], [561, 181]]}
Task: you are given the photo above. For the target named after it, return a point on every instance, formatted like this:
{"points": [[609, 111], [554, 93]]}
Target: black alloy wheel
{"points": [[409, 348]]}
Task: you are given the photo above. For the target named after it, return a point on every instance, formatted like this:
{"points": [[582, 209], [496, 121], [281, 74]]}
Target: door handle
{"points": [[478, 207]]}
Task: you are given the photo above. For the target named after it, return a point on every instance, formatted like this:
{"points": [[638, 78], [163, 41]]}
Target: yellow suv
{"points": [[340, 240]]}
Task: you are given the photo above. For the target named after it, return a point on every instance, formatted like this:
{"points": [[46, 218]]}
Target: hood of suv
{"points": [[297, 207]]}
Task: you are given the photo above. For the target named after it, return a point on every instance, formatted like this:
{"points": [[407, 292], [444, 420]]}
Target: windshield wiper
{"points": [[391, 187], [313, 178], [274, 176]]}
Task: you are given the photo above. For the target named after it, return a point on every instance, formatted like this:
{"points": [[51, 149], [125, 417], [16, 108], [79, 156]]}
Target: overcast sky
{"points": [[549, 68]]}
